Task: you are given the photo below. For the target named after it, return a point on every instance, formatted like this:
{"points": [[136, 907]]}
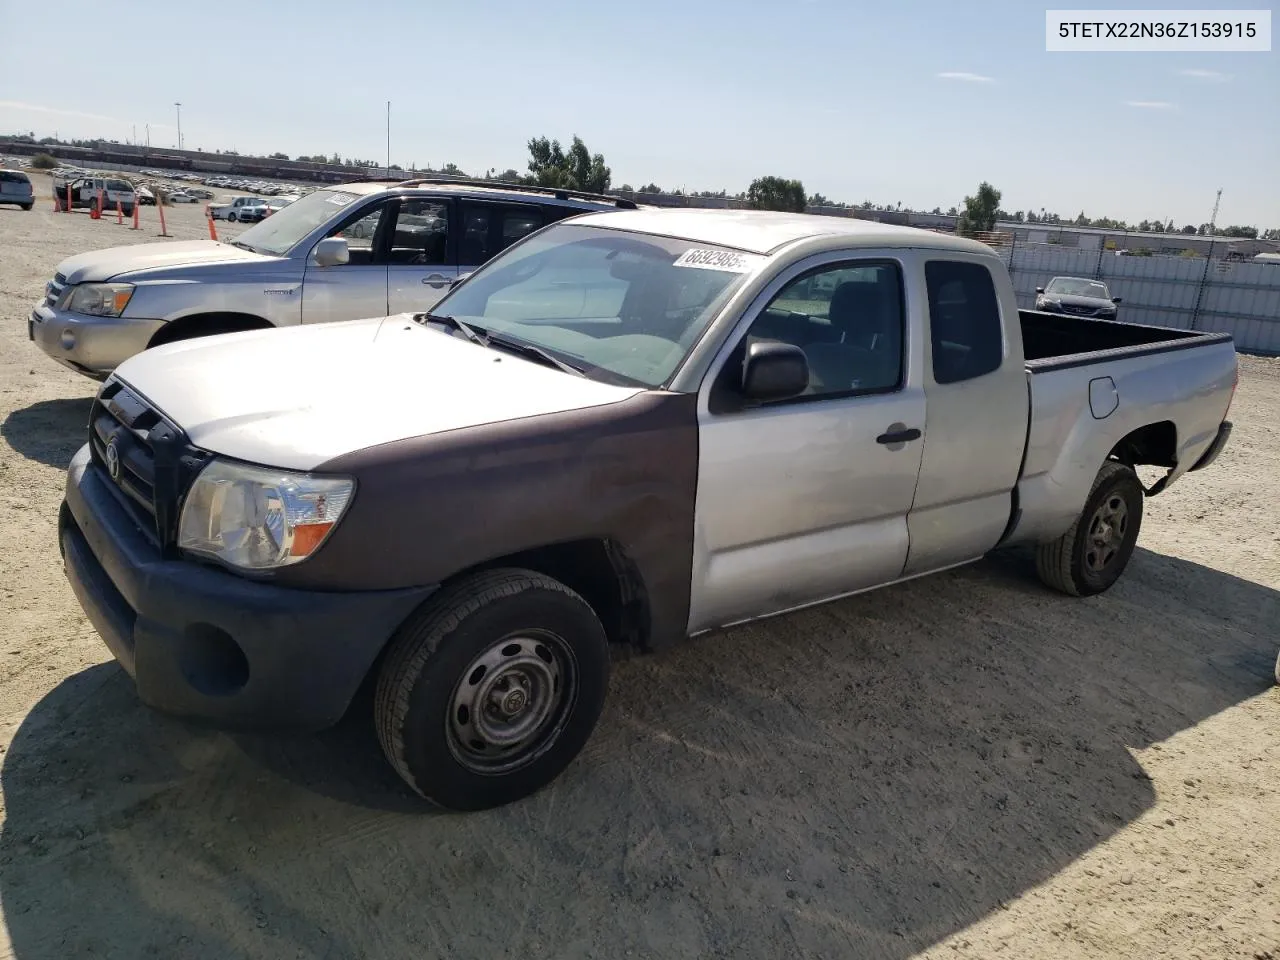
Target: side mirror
{"points": [[774, 371], [1116, 300], [1039, 289], [331, 252]]}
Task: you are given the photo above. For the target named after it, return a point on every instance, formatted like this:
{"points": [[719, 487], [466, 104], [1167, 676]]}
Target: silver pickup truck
{"points": [[359, 250], [628, 428]]}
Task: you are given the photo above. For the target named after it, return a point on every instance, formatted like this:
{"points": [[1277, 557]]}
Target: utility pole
{"points": [[148, 136], [178, 107], [1213, 217], [388, 139]]}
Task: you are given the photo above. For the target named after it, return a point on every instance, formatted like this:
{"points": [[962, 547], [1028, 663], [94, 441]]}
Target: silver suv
{"points": [[343, 253], [15, 187]]}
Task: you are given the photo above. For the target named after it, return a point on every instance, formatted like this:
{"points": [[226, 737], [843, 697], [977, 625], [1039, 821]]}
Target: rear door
{"points": [[422, 255], [358, 288], [976, 393]]}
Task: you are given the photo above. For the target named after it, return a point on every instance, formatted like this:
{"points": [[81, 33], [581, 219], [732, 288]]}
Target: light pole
{"points": [[178, 107], [148, 136]]}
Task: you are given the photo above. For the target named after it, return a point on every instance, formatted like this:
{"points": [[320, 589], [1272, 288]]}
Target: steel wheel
{"points": [[511, 702], [1107, 532]]}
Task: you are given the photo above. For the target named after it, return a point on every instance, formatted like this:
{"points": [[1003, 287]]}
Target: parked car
{"points": [[15, 188], [587, 441], [1078, 297], [85, 192], [145, 197], [231, 210], [360, 250], [252, 212], [180, 196]]}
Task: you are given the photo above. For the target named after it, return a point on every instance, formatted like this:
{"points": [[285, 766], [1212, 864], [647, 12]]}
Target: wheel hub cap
{"points": [[509, 704], [1107, 531]]}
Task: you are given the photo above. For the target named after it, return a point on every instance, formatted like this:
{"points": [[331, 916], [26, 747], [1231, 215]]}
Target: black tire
{"points": [[436, 666], [1091, 556], [232, 216], [26, 206], [126, 211]]}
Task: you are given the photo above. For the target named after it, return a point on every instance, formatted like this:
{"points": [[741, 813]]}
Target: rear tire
{"points": [[26, 206], [231, 217], [127, 211], [491, 689], [1089, 558]]}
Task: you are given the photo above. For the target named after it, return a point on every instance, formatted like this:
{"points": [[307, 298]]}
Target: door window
{"points": [[421, 234], [848, 320], [361, 232], [964, 320], [488, 229]]}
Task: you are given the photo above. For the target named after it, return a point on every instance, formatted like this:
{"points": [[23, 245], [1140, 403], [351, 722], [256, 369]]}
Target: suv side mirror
{"points": [[1039, 289], [774, 371], [331, 252], [1116, 300]]}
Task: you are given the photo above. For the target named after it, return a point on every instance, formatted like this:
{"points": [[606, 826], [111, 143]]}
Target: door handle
{"points": [[435, 280], [898, 436]]}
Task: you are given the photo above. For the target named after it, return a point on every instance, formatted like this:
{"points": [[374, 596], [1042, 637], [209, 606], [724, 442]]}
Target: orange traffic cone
{"points": [[136, 207], [119, 213], [95, 211], [213, 231]]}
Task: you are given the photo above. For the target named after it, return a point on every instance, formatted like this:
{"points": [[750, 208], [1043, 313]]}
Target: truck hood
{"points": [[298, 397], [99, 265]]}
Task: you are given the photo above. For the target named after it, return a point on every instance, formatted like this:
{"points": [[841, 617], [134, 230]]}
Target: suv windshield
{"points": [[626, 305], [280, 232], [1070, 287]]}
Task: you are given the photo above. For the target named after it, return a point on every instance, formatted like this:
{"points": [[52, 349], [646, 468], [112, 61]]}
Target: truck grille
{"points": [[147, 458]]}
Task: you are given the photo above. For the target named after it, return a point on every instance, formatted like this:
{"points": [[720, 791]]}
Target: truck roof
{"points": [[763, 231]]}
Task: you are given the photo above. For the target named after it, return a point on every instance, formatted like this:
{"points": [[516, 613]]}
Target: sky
{"points": [[909, 101]]}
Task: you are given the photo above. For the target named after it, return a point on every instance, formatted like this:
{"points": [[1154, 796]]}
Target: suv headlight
{"points": [[97, 299], [256, 518]]}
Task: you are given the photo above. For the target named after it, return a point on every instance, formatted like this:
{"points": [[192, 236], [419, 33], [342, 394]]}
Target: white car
{"points": [[232, 211], [181, 197]]}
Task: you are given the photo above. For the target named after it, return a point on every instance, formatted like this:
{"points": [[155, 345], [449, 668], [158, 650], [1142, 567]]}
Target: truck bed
{"points": [[1052, 341]]}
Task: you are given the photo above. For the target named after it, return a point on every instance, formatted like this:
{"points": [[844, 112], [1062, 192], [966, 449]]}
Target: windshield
{"points": [[279, 233], [1071, 287], [620, 306]]}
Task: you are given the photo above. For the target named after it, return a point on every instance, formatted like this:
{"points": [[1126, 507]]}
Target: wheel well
{"points": [[1154, 445], [206, 325], [602, 573]]}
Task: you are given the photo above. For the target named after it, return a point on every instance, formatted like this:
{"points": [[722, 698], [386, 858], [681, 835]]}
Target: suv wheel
{"points": [[492, 688], [232, 216]]}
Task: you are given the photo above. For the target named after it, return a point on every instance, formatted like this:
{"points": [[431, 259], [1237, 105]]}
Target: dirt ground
{"points": [[967, 765]]}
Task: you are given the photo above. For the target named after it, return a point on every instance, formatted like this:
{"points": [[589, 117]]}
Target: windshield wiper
{"points": [[536, 353], [243, 246], [474, 334]]}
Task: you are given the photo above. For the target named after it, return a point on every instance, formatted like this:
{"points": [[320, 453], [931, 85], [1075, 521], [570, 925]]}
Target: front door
{"points": [[358, 288], [806, 499], [421, 257]]}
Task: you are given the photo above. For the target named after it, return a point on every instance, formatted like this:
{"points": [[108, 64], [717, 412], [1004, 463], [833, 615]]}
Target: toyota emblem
{"points": [[112, 456]]}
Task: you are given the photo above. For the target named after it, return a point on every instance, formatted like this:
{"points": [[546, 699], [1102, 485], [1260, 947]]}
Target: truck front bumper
{"points": [[205, 644], [93, 346]]}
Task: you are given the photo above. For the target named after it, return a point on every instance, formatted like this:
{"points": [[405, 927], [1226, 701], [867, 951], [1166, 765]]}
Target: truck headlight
{"points": [[97, 299], [256, 518]]}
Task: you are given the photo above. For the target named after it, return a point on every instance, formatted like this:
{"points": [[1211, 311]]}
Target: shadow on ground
{"points": [[50, 431], [858, 780]]}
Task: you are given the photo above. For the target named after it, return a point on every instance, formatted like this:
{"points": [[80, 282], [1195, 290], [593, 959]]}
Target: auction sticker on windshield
{"points": [[341, 199], [727, 261]]}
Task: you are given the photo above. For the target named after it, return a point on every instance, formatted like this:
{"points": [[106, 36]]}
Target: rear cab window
{"points": [[964, 320]]}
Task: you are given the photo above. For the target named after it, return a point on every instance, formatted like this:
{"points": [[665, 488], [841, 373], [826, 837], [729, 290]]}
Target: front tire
{"points": [[26, 206], [231, 217], [1089, 558], [491, 689]]}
